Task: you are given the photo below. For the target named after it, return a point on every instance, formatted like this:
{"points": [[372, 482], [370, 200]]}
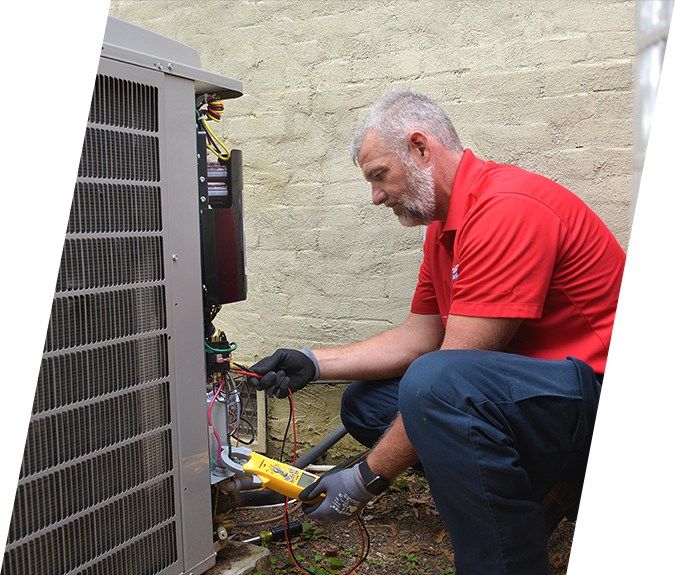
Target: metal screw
{"points": [[170, 66], [174, 257], [202, 179], [202, 199]]}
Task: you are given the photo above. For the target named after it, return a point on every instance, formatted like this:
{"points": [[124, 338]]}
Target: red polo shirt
{"points": [[518, 245]]}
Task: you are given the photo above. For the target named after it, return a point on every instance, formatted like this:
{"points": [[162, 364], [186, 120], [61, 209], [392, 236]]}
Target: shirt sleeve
{"points": [[424, 299], [505, 254]]}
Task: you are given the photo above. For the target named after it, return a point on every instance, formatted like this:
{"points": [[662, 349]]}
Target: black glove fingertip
{"points": [[255, 383], [271, 391], [279, 387], [311, 492], [309, 509], [266, 381], [282, 391]]}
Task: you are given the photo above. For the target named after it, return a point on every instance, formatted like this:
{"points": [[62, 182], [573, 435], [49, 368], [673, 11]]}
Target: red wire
{"points": [[208, 417], [364, 549], [246, 372], [362, 532], [299, 568], [295, 431], [297, 565]]}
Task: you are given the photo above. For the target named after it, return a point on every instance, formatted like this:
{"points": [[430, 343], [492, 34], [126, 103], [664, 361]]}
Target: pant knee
{"points": [[368, 408], [350, 403], [445, 376], [354, 417], [419, 380]]}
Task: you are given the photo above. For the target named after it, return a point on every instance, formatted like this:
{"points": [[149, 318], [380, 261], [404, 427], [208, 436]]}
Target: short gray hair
{"points": [[398, 113]]}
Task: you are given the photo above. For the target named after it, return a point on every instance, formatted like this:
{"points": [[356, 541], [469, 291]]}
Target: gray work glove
{"points": [[283, 370], [346, 495]]}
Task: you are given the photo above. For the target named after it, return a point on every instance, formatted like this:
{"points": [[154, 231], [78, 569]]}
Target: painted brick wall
{"points": [[546, 85]]}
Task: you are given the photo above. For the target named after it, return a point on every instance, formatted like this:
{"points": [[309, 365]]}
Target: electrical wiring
{"points": [[291, 400], [283, 443], [209, 109], [247, 373], [225, 350], [214, 109], [363, 531], [210, 421], [233, 403], [214, 143], [249, 401], [237, 400], [238, 368], [235, 435], [293, 507]]}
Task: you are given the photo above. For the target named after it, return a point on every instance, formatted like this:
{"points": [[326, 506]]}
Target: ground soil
{"points": [[406, 537]]}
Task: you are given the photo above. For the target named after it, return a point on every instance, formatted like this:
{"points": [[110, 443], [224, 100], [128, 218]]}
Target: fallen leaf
{"points": [[441, 535], [418, 500], [449, 556]]}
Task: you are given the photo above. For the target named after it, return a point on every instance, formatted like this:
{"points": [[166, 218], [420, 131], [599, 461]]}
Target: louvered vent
{"points": [[97, 490]]}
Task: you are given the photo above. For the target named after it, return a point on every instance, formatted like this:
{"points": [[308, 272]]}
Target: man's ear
{"points": [[418, 146]]}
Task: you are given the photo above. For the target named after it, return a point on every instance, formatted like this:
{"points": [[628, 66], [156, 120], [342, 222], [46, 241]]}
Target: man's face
{"points": [[399, 184]]}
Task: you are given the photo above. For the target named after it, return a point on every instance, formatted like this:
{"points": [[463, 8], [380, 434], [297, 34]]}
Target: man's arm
{"points": [[394, 453], [384, 355]]}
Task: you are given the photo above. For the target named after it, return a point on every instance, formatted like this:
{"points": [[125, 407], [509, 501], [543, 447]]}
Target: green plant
{"points": [[400, 484], [311, 533]]}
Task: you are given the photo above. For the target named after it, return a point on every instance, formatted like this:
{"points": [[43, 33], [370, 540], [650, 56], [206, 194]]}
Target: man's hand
{"points": [[285, 369], [346, 495]]}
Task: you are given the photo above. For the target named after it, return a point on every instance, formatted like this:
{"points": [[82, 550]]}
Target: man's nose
{"points": [[378, 195]]}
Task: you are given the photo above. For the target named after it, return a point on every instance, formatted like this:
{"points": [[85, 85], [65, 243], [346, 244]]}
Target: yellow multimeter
{"points": [[280, 477]]}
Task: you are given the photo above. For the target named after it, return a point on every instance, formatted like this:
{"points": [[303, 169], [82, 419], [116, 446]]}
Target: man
{"points": [[492, 382]]}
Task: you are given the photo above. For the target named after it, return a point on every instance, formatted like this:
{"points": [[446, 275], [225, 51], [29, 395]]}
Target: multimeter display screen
{"points": [[305, 480]]}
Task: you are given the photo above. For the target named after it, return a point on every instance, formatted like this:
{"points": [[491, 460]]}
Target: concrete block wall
{"points": [[544, 84]]}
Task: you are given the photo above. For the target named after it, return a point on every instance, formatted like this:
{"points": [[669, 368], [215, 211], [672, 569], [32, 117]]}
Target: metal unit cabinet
{"points": [[115, 474]]}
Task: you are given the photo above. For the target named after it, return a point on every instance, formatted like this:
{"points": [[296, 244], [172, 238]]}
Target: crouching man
{"points": [[492, 382]]}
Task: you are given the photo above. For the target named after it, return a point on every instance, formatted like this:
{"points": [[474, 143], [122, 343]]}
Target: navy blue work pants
{"points": [[496, 434]]}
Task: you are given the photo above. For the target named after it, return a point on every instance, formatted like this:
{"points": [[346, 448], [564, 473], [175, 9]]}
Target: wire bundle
{"points": [[227, 391], [365, 538], [211, 110]]}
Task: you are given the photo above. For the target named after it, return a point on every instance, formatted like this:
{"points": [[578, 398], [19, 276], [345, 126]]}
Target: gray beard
{"points": [[417, 205]]}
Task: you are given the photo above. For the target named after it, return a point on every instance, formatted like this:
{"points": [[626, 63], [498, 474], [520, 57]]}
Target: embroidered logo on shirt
{"points": [[455, 272]]}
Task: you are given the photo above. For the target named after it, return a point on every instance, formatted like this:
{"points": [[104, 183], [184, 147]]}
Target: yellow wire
{"points": [[221, 155]]}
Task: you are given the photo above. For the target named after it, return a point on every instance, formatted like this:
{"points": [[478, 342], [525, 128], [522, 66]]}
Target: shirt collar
{"points": [[461, 195]]}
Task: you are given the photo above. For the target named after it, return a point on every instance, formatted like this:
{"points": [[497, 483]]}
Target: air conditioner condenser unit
{"points": [[115, 477]]}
